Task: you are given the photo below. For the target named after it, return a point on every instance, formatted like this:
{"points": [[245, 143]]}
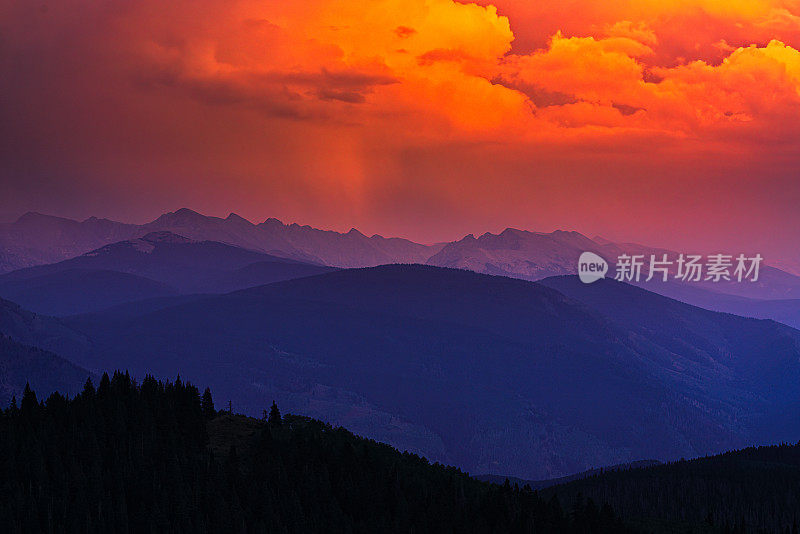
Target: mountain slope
{"points": [[41, 331], [351, 249], [156, 265], [722, 343], [39, 239], [161, 256], [753, 361], [153, 458], [541, 484], [786, 311], [74, 291], [535, 255], [523, 254], [750, 490], [36, 239], [490, 373], [43, 370]]}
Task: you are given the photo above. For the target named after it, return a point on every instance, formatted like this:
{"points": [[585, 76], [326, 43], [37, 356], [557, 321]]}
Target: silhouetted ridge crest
{"points": [[156, 457]]}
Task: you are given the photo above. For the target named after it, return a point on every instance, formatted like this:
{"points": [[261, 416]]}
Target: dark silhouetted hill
{"points": [[156, 457], [44, 371], [751, 490], [156, 265], [489, 373]]}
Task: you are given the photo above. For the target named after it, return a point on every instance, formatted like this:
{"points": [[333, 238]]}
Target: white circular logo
{"points": [[591, 267]]}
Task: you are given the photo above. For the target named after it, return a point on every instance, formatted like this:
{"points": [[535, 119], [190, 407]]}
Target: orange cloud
{"points": [[436, 70], [752, 85], [395, 109]]}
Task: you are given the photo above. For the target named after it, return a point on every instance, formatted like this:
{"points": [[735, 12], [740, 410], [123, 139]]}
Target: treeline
{"points": [[751, 490], [20, 362], [157, 457]]}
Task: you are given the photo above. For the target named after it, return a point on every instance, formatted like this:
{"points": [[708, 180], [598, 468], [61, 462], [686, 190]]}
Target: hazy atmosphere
{"points": [[670, 123]]}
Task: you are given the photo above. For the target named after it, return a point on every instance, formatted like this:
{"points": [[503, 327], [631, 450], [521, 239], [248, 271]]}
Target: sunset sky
{"points": [[674, 123]]}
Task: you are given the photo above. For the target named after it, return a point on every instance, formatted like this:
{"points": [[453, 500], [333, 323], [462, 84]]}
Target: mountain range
{"points": [[158, 264], [36, 239], [492, 374], [535, 255], [469, 361], [22, 364]]}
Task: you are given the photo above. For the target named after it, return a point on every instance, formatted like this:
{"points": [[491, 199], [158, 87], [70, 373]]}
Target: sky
{"points": [[674, 123]]}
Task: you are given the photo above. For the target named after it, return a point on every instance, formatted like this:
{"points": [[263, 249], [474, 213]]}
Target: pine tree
{"points": [[105, 385], [88, 389], [207, 405], [274, 415], [29, 403], [139, 457]]}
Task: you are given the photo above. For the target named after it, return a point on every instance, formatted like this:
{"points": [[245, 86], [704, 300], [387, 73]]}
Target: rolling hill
{"points": [[41, 331], [157, 265], [75, 291], [786, 311], [493, 374], [749, 490], [153, 457], [45, 372]]}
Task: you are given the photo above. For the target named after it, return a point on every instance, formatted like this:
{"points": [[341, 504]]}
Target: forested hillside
{"points": [[157, 457], [751, 490], [20, 363], [492, 374]]}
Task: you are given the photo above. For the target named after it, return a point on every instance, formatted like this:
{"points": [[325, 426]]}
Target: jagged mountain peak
{"points": [[181, 216], [236, 218], [272, 221], [355, 232], [512, 231], [187, 211]]}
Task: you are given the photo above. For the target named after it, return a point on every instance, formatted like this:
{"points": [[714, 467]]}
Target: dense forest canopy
{"points": [[158, 457], [750, 490]]}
